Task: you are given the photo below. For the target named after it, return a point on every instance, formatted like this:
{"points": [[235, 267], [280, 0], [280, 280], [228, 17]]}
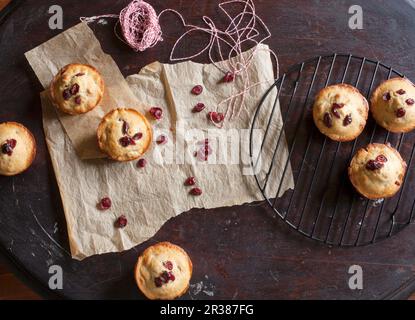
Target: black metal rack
{"points": [[323, 205]]}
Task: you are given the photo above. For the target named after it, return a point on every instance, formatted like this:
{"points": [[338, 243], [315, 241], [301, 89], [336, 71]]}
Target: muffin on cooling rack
{"points": [[393, 105], [18, 148], [340, 112], [377, 171], [77, 89], [124, 134], [163, 271]]}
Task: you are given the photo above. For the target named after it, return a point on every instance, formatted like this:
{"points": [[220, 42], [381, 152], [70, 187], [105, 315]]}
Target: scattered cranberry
{"points": [[347, 120], [381, 158], [387, 96], [105, 203], [216, 117], [7, 148], [168, 265], [156, 112], [66, 94], [401, 92], [74, 89], [121, 222], [328, 120], [410, 102], [229, 77], [162, 139], [196, 192], [191, 181], [127, 141], [172, 277], [373, 165], [78, 100], [400, 112], [137, 136], [197, 90], [198, 108], [125, 127], [141, 163]]}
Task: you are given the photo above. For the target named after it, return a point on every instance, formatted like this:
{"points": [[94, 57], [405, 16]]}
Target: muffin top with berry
{"points": [[77, 89], [163, 271], [340, 112], [124, 134], [17, 148], [393, 105], [377, 171]]}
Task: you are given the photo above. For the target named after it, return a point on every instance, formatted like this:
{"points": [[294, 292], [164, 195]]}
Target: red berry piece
{"points": [[327, 120], [8, 146], [387, 96], [138, 136], [162, 139], [401, 92], [198, 108], [410, 102], [400, 113], [335, 107], [171, 276], [105, 203], [125, 127], [156, 112], [168, 265], [197, 90], [66, 94], [127, 141], [141, 163], [78, 100], [191, 181], [373, 165], [216, 117], [196, 192], [347, 120], [229, 77], [74, 89], [158, 282], [121, 222], [381, 158]]}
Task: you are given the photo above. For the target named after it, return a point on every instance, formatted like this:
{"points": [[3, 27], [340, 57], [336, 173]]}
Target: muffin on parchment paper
{"points": [[18, 148], [393, 105], [163, 272], [340, 112], [124, 134], [77, 89], [377, 171]]}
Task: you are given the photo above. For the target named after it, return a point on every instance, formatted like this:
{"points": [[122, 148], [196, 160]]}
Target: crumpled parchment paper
{"points": [[149, 197]]}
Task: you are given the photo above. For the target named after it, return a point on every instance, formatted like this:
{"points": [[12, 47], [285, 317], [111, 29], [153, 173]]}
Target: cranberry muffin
{"points": [[77, 89], [124, 134], [393, 105], [18, 148], [377, 171], [163, 272], [340, 112]]}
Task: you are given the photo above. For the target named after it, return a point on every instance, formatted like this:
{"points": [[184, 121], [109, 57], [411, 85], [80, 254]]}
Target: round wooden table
{"points": [[240, 252]]}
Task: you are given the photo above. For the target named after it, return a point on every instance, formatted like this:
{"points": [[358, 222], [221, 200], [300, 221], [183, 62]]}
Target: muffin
{"points": [[77, 89], [124, 134], [163, 271], [393, 105], [18, 148], [340, 112], [377, 171]]}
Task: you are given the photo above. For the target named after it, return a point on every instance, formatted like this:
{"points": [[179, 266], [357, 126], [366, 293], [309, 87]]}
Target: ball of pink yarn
{"points": [[140, 25]]}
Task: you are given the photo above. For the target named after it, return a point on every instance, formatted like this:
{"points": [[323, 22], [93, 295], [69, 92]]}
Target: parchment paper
{"points": [[151, 196]]}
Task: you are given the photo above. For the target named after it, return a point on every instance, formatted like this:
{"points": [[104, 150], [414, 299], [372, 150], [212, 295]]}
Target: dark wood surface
{"points": [[239, 252]]}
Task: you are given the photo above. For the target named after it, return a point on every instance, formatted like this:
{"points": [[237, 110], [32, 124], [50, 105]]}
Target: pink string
{"points": [[139, 24], [141, 30], [243, 29]]}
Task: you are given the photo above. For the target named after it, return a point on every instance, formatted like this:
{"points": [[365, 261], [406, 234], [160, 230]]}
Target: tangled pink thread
{"points": [[139, 24]]}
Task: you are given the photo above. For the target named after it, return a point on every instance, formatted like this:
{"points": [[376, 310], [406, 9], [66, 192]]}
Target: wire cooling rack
{"points": [[323, 204]]}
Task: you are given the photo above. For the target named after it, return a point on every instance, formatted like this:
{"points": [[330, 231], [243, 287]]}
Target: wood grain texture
{"points": [[226, 244]]}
